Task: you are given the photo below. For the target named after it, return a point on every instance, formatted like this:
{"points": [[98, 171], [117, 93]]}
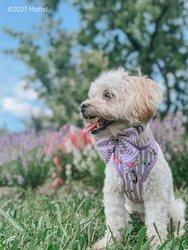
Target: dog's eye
{"points": [[107, 95]]}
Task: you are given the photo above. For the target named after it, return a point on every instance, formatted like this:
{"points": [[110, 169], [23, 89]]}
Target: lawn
{"points": [[68, 219], [68, 214]]}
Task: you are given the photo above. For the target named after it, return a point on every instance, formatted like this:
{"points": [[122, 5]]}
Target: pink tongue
{"points": [[88, 128]]}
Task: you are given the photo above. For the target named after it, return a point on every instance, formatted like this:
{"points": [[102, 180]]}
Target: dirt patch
{"points": [[46, 188], [4, 191]]}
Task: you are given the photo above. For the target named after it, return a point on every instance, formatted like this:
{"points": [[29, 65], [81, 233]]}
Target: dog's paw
{"points": [[99, 245], [155, 244], [102, 244]]}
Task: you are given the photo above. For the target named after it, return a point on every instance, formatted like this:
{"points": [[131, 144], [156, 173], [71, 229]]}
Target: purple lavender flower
{"points": [[169, 133], [16, 146], [20, 180]]}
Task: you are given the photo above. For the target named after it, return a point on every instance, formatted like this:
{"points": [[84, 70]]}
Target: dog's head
{"points": [[117, 101]]}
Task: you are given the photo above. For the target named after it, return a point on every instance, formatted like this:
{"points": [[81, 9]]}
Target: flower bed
{"points": [[28, 159]]}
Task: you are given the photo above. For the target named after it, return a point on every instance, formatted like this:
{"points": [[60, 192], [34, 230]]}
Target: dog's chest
{"points": [[135, 170], [131, 158]]}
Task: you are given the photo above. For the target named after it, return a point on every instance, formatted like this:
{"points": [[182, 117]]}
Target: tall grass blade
{"points": [[140, 238], [163, 246], [12, 222], [147, 243], [157, 232]]}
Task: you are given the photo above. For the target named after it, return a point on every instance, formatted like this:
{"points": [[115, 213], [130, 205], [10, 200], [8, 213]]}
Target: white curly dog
{"points": [[138, 178]]}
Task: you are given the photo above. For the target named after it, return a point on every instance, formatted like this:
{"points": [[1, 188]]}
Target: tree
{"points": [[146, 34]]}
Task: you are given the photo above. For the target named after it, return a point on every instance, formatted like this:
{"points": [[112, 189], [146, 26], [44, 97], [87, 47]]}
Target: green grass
{"points": [[66, 221]]}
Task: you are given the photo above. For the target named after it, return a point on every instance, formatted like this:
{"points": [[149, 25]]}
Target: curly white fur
{"points": [[133, 100]]}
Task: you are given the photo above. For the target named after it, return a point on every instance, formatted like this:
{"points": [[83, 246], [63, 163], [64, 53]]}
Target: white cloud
{"points": [[20, 91], [23, 102], [22, 108], [18, 107]]}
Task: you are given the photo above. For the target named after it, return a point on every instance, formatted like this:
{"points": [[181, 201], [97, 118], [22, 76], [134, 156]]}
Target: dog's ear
{"points": [[145, 97]]}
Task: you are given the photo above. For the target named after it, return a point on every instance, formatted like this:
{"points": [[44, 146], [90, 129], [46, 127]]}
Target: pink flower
{"points": [[57, 182], [85, 137]]}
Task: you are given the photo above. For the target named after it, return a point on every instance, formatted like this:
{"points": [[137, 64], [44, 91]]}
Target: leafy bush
{"points": [[179, 165], [73, 156]]}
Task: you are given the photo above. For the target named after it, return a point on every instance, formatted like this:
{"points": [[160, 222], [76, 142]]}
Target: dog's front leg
{"points": [[156, 202], [156, 214], [114, 204]]}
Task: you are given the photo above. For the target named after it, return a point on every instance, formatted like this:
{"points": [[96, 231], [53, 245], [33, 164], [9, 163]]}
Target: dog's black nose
{"points": [[84, 106]]}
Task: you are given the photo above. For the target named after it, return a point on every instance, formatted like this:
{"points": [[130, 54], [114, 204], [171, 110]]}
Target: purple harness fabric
{"points": [[132, 160]]}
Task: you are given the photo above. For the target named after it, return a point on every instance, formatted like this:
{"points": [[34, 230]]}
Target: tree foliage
{"points": [[145, 34]]}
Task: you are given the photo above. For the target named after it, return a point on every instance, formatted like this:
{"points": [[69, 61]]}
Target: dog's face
{"points": [[117, 101]]}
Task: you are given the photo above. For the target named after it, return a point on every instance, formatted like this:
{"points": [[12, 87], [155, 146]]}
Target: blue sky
{"points": [[17, 104]]}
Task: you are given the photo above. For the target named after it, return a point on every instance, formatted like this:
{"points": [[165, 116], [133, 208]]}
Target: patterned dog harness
{"points": [[132, 160]]}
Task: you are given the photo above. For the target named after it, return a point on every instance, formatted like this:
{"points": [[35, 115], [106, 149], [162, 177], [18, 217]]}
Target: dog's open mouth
{"points": [[99, 124]]}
